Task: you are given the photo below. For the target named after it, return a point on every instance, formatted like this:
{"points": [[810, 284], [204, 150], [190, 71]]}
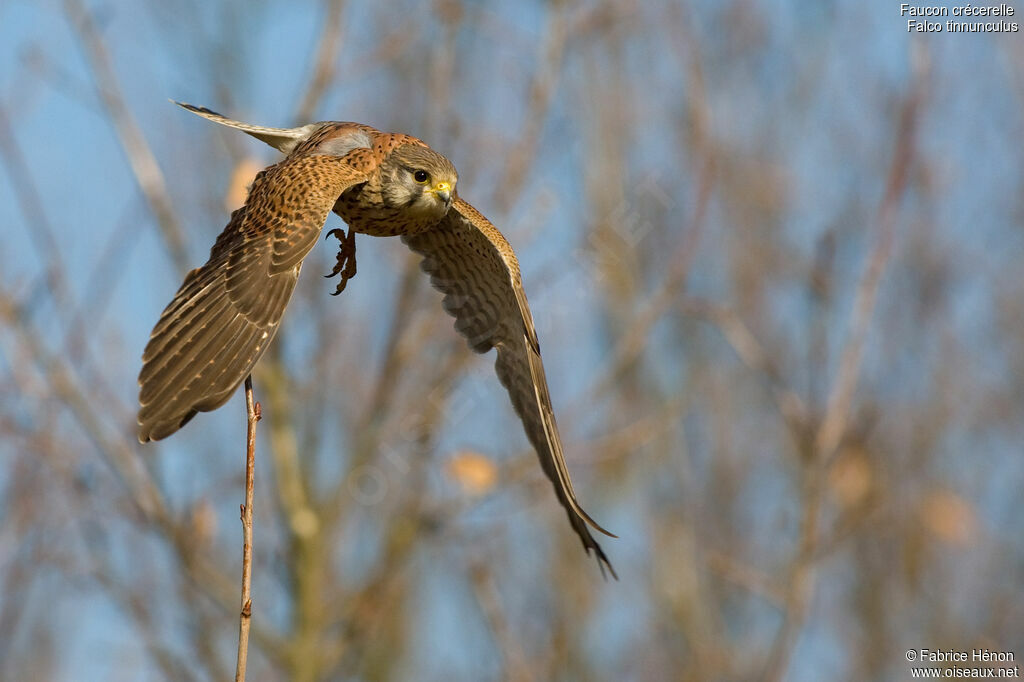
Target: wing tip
{"points": [[158, 427], [202, 111], [596, 526], [144, 432], [584, 516], [603, 562]]}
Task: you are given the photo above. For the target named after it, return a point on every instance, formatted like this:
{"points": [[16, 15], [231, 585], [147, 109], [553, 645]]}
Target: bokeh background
{"points": [[774, 252]]}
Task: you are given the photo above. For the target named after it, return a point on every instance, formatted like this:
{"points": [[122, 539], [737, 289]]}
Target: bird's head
{"points": [[419, 180]]}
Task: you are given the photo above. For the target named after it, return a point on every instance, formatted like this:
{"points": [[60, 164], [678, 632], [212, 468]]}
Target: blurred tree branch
{"points": [[838, 410], [144, 165]]}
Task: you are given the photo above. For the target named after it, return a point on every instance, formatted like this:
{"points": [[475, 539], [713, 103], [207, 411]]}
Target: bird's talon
{"points": [[346, 260], [335, 271]]}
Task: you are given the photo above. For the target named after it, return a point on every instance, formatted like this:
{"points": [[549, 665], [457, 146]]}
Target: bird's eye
{"points": [[421, 176]]}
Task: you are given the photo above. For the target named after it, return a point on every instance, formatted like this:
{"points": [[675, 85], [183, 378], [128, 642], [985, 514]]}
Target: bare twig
{"points": [[146, 496], [245, 617]]}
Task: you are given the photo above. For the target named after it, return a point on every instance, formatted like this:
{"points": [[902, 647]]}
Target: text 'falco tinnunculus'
{"points": [[383, 184]]}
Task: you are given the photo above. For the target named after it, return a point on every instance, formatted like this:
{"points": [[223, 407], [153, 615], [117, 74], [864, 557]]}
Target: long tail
{"points": [[283, 139]]}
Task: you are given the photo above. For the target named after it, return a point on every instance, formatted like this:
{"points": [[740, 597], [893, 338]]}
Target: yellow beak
{"points": [[443, 190]]}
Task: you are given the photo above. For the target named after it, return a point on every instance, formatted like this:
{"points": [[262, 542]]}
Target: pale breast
{"points": [[362, 209]]}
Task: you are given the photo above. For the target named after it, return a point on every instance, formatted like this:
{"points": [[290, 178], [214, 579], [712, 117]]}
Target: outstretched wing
{"points": [[474, 266], [226, 312]]}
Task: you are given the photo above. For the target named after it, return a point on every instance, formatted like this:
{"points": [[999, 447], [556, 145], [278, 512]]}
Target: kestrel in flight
{"points": [[383, 184]]}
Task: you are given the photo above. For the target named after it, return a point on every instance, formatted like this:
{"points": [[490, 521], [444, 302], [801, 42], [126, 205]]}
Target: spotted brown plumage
{"points": [[474, 266], [226, 312], [383, 184]]}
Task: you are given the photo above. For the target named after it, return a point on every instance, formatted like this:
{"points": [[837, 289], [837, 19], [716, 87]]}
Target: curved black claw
{"points": [[346, 263]]}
